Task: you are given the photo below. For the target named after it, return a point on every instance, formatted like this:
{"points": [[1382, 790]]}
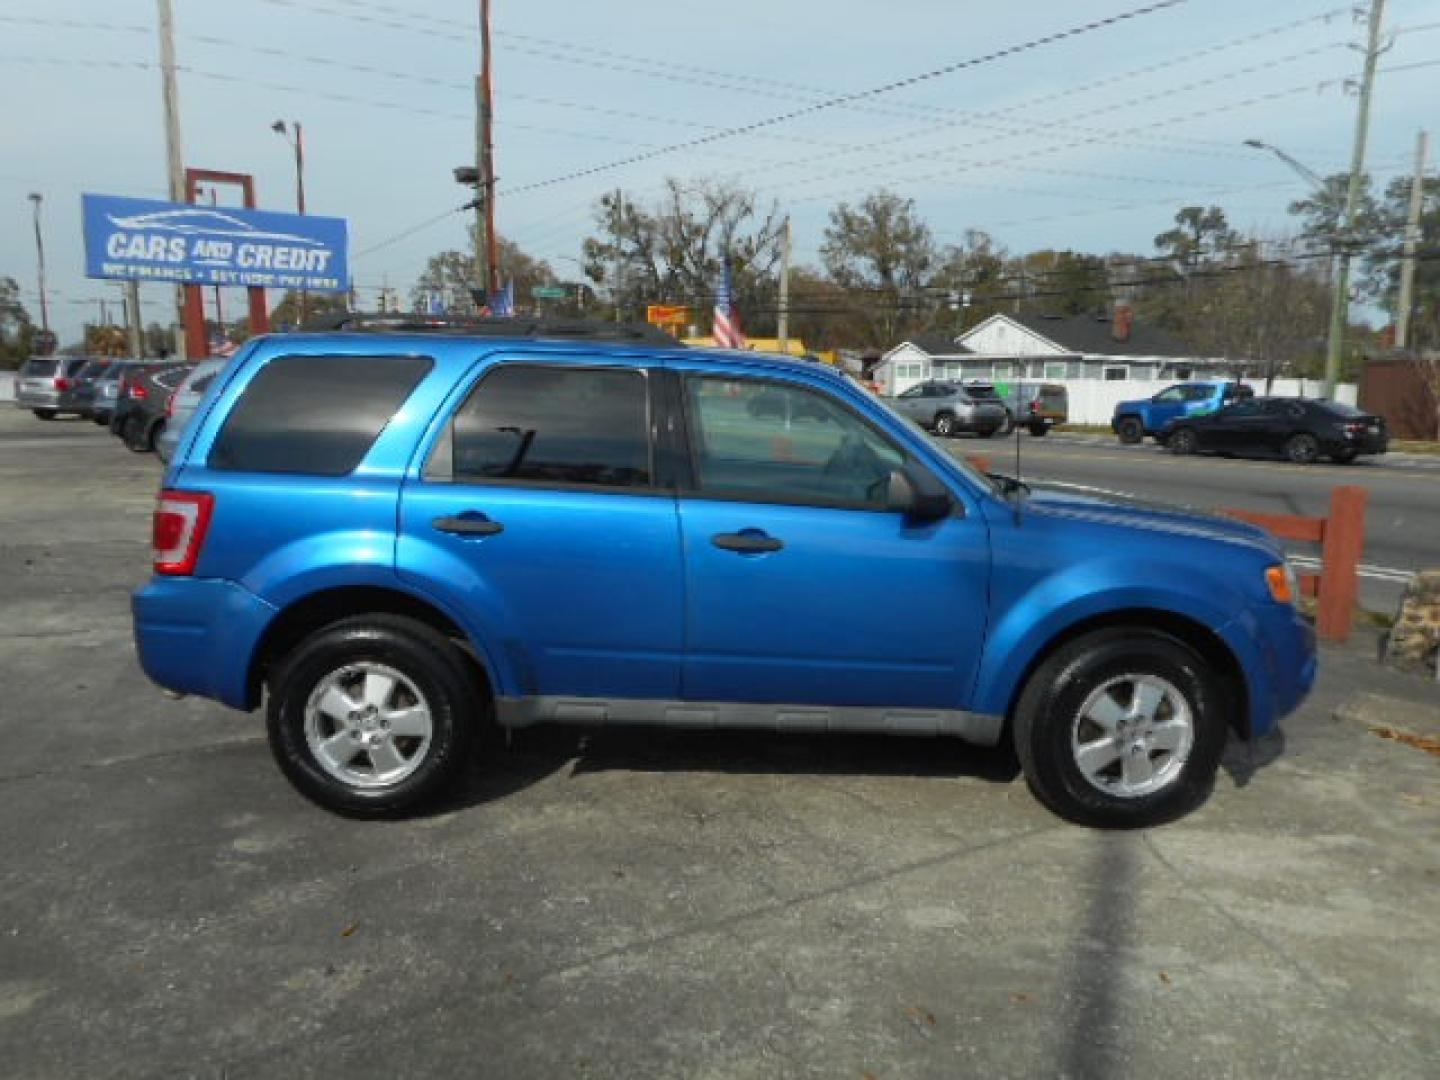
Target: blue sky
{"points": [[1089, 143]]}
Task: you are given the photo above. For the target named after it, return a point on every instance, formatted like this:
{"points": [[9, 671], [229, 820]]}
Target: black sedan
{"points": [[1299, 429]]}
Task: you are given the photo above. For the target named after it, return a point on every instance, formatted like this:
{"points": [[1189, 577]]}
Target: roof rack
{"points": [[555, 329]]}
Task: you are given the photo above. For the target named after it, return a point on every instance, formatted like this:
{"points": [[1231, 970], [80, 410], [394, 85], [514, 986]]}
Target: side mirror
{"points": [[917, 495]]}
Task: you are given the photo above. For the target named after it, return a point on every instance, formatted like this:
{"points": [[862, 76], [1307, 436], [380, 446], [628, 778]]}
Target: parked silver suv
{"points": [[946, 409], [46, 385]]}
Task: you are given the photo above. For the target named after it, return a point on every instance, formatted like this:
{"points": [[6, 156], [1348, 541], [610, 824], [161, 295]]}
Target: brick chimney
{"points": [[1121, 322]]}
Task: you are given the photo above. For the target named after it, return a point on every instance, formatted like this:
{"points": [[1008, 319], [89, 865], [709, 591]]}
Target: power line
{"points": [[862, 95]]}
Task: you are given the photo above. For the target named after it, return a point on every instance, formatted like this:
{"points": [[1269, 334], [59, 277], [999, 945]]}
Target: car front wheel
{"points": [[1130, 430], [374, 715], [1121, 728]]}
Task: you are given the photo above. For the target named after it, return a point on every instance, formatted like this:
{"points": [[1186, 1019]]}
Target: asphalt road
{"points": [[1403, 515], [613, 904]]}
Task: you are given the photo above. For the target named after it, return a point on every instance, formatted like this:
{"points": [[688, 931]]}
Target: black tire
{"points": [[1048, 719], [945, 424], [153, 437], [1181, 442], [101, 421], [1130, 430], [1039, 430], [438, 671], [1302, 448], [987, 433], [1345, 457], [132, 434], [45, 414]]}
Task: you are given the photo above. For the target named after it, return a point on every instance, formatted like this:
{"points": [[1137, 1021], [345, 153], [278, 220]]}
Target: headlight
{"points": [[1284, 586]]}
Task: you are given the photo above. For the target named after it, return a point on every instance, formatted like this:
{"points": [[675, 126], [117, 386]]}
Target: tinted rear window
{"points": [[1339, 408], [43, 366], [315, 415]]}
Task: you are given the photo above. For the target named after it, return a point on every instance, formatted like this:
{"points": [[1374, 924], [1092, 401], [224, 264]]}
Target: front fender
{"points": [[1026, 623]]}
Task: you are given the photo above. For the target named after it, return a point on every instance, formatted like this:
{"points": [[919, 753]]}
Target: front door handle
{"points": [[749, 542], [470, 523]]}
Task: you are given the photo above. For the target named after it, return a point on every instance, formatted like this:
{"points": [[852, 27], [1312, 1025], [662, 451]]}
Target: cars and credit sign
{"points": [[150, 240]]}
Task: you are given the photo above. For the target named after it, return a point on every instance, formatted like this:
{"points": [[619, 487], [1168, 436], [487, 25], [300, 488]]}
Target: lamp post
{"points": [[36, 198], [293, 134], [1340, 245]]}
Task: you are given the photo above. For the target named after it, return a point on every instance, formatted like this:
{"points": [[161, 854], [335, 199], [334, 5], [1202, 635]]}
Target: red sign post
{"points": [[197, 342]]}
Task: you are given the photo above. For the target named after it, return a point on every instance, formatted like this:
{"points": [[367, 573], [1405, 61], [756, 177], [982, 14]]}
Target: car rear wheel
{"points": [[373, 715], [1302, 448], [1039, 429], [132, 434], [1181, 442], [1121, 728], [1130, 430], [945, 424], [45, 414]]}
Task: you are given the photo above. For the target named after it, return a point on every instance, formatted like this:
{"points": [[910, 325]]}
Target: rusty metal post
{"points": [[1340, 551]]}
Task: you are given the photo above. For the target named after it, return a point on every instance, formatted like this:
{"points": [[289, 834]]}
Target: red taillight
{"points": [[1034, 407], [136, 391], [62, 383], [181, 520]]}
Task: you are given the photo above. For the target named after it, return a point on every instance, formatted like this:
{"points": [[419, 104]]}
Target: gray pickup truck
{"points": [[947, 409]]}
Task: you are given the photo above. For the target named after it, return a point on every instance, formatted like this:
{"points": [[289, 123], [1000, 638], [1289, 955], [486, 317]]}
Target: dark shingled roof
{"points": [[937, 344], [1091, 334]]}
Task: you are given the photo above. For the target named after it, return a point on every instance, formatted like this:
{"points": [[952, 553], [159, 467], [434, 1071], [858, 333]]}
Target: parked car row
{"points": [[144, 403], [1225, 417]]}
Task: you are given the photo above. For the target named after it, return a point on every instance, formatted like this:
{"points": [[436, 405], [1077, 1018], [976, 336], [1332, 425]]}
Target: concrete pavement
{"points": [[626, 904]]}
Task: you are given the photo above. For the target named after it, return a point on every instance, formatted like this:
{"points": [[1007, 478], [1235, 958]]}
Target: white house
{"points": [[1100, 359]]}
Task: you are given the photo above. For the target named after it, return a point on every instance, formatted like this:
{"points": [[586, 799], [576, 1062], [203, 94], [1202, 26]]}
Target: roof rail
{"points": [[555, 329]]}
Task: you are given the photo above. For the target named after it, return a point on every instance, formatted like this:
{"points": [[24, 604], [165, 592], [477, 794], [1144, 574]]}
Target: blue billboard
{"points": [[150, 240]]}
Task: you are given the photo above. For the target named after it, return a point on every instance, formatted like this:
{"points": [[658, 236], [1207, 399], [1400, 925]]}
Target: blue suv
{"points": [[391, 539]]}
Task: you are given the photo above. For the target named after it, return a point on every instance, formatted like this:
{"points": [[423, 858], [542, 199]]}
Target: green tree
{"points": [[882, 251], [451, 276], [16, 330], [674, 250], [1386, 260], [317, 305]]}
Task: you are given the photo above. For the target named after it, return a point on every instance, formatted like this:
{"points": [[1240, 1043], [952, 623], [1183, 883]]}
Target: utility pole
{"points": [[175, 165], [784, 328], [1340, 307], [1412, 241], [136, 323], [487, 253], [36, 198]]}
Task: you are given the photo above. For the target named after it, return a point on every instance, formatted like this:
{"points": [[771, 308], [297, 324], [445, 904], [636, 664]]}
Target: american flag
{"points": [[727, 331]]}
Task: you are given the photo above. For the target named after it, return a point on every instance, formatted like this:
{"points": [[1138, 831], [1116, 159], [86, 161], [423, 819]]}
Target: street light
{"points": [[1340, 244], [292, 134], [36, 198]]}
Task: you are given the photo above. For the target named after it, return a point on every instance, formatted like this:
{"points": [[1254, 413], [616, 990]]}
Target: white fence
{"points": [[1093, 401]]}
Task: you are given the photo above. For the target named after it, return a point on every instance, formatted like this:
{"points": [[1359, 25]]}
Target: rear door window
{"points": [[314, 415], [555, 425], [36, 368]]}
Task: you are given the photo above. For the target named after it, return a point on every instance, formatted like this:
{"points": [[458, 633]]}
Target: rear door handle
{"points": [[749, 542], [469, 523]]}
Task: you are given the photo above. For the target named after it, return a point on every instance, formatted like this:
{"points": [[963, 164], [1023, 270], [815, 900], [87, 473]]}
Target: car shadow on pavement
{"points": [[1241, 760], [650, 750]]}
